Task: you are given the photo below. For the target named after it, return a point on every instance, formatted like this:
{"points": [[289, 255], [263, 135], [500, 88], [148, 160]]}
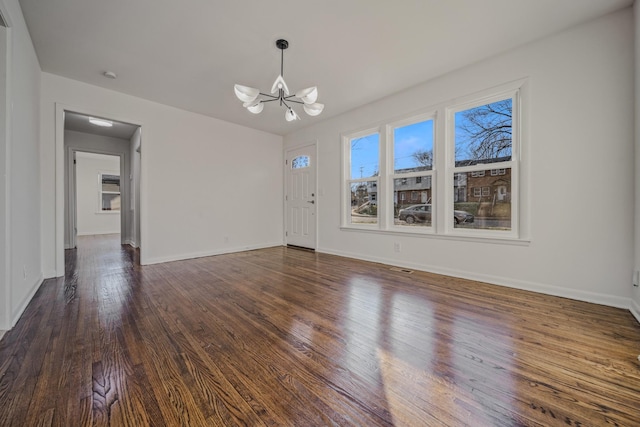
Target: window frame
{"points": [[101, 192], [347, 180], [443, 169], [392, 176], [481, 167]]}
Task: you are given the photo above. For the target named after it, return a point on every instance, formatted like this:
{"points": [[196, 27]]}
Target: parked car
{"points": [[462, 217], [415, 213], [422, 213]]}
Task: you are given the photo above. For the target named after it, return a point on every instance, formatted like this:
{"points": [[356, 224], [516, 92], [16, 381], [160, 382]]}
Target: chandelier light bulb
{"points": [[313, 109], [308, 95], [256, 107], [291, 115], [246, 93], [280, 84]]}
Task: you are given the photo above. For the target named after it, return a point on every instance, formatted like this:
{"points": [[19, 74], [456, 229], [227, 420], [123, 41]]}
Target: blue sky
{"points": [[407, 140]]}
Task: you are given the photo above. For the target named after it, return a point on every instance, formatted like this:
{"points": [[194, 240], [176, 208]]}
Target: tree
{"points": [[423, 157], [484, 132]]}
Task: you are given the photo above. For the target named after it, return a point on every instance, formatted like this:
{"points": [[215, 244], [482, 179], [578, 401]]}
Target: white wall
{"points": [[579, 169], [635, 308], [20, 216], [207, 186], [135, 146], [90, 220]]}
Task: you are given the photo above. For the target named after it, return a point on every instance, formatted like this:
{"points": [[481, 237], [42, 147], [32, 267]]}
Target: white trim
{"points": [[15, 316], [97, 233], [203, 254], [503, 92], [59, 178], [634, 308], [51, 274], [444, 165], [399, 231], [131, 243], [6, 288], [541, 288], [101, 192]]}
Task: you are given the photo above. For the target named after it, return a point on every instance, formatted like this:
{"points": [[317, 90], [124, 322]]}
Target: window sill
{"points": [[431, 235]]}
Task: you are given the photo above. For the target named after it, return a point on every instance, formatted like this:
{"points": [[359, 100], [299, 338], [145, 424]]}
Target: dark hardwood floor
{"points": [[284, 337]]}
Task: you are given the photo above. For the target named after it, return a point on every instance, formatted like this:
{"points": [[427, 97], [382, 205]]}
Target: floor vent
{"points": [[401, 270], [302, 248]]}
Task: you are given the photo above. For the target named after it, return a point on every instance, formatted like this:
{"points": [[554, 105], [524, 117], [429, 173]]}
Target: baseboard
{"points": [[181, 257], [50, 274], [634, 308], [575, 294], [97, 233], [26, 301]]}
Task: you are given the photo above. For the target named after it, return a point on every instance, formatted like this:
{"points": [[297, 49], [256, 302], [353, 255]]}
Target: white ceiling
{"points": [[189, 53], [80, 123]]}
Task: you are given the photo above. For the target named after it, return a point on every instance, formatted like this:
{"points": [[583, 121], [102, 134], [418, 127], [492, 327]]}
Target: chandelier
{"points": [[254, 100]]}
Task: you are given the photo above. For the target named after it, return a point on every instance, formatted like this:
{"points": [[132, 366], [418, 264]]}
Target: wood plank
{"points": [[279, 337]]}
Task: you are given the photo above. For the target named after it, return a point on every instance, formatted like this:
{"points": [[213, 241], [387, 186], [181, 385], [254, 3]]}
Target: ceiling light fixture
{"points": [[100, 122], [307, 97]]}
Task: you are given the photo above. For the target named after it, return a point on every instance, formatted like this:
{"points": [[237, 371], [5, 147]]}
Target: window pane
{"points": [[110, 182], [484, 133], [412, 201], [482, 202], [300, 162], [110, 202], [364, 156], [413, 147], [364, 203]]}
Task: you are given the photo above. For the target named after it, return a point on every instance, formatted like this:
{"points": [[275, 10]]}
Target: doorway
{"points": [[300, 200], [96, 196], [102, 178]]}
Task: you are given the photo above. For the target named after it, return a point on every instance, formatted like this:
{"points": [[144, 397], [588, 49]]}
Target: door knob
{"points": [[311, 201]]}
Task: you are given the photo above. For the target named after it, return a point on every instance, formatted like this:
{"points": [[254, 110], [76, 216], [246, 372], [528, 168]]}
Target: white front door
{"points": [[300, 196]]}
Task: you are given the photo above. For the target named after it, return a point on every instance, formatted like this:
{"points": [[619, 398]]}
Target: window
{"points": [[109, 185], [464, 173], [482, 136], [412, 142], [300, 162], [363, 171]]}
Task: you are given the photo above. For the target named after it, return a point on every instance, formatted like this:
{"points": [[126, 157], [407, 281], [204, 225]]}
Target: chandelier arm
{"points": [[270, 96], [269, 100], [288, 98]]}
